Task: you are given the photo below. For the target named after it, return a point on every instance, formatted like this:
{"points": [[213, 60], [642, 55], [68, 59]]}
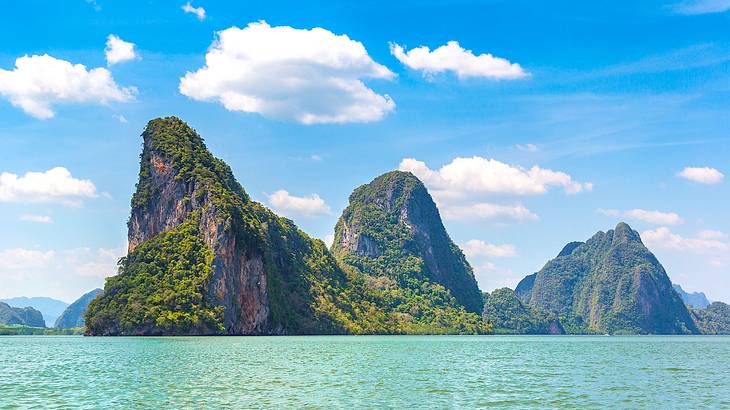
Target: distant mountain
{"points": [[392, 228], [26, 316], [609, 284], [49, 307], [73, 316], [504, 311], [714, 319], [694, 299]]}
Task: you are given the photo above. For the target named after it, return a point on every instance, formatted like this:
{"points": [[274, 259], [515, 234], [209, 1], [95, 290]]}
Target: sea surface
{"points": [[365, 372]]}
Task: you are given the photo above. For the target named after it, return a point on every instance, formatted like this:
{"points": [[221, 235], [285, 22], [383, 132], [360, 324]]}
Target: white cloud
{"points": [[120, 118], [309, 76], [99, 263], [481, 175], [702, 6], [663, 238], [43, 219], [703, 175], [609, 212], [64, 274], [485, 210], [452, 57], [19, 258], [55, 185], [38, 82], [710, 234], [527, 147], [476, 248], [118, 50], [652, 217], [315, 157], [329, 240], [289, 204], [198, 11]]}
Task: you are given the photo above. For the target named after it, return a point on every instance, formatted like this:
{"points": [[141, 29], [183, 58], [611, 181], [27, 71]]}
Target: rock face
{"points": [[609, 284], [26, 316], [73, 316], [392, 228], [697, 300], [205, 259]]}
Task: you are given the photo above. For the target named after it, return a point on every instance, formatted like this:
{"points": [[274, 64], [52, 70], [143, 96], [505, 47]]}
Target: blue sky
{"points": [[582, 115]]}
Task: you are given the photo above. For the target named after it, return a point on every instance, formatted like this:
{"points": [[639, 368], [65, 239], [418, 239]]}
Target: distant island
{"points": [[205, 259], [30, 320]]}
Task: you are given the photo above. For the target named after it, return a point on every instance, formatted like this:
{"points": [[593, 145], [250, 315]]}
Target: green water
{"points": [[365, 372]]}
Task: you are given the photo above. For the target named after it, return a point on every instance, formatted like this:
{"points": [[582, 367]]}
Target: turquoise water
{"points": [[370, 372]]}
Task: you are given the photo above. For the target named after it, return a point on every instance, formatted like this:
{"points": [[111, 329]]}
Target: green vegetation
{"points": [[610, 284], [165, 284], [714, 319], [507, 315], [392, 235], [159, 289], [20, 330]]}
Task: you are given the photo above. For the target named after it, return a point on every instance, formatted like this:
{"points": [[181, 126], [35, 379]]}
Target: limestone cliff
{"points": [[609, 284], [206, 259], [392, 228]]}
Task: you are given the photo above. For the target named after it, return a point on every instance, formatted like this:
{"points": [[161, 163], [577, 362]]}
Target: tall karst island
{"points": [[206, 259], [609, 284]]}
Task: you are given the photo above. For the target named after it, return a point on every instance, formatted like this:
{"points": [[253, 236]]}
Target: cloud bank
{"points": [[56, 185], [308, 76], [38, 82]]}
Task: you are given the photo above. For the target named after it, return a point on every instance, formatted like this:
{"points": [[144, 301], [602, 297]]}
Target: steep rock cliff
{"points": [[205, 259], [392, 228], [26, 316], [73, 315], [611, 283]]}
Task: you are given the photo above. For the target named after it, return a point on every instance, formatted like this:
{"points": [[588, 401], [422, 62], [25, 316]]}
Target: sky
{"points": [[532, 124]]}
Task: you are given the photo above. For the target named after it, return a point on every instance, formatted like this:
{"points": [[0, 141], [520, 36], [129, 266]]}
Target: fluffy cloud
{"points": [[309, 76], [38, 82], [55, 185], [481, 175], [198, 11], [289, 204], [452, 57], [486, 210], [19, 258], [458, 187], [42, 219], [702, 6], [703, 175], [64, 274], [705, 242], [118, 50], [652, 217], [476, 248]]}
